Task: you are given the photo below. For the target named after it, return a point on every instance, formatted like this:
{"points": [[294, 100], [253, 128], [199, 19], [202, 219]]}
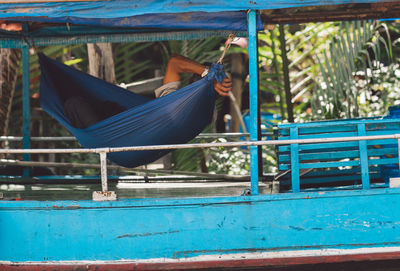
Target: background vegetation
{"points": [[335, 70]]}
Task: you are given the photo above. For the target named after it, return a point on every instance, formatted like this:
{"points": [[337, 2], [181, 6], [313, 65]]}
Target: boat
{"points": [[251, 230]]}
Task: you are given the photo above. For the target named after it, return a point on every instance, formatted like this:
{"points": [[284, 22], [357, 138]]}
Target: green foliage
{"points": [[132, 62], [336, 70], [349, 66], [304, 43]]}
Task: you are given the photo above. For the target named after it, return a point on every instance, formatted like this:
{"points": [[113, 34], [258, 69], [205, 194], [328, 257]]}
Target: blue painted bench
{"points": [[337, 163]]}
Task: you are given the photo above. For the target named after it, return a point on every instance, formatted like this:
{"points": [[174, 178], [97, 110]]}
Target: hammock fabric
{"points": [[172, 119]]}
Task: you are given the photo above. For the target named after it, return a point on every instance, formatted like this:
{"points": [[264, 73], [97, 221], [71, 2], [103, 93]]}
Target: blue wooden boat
{"points": [[355, 223]]}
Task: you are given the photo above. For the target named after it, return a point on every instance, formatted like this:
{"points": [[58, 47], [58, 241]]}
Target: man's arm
{"points": [[180, 64]]}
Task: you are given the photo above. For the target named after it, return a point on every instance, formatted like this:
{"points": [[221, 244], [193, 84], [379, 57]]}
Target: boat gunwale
{"points": [[164, 202]]}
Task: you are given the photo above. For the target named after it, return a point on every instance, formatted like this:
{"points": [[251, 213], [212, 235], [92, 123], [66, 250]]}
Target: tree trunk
{"points": [[238, 69], [101, 62], [286, 79], [9, 64]]}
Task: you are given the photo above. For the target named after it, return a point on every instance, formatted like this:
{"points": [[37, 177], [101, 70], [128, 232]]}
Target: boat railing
{"points": [[72, 138], [110, 195]]}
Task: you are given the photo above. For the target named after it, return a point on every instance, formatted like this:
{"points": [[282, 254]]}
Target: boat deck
{"points": [[126, 187]]}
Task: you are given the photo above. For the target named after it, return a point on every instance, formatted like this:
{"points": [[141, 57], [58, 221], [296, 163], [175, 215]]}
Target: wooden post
{"points": [[101, 62], [9, 64], [238, 70], [285, 64], [276, 68], [26, 107]]}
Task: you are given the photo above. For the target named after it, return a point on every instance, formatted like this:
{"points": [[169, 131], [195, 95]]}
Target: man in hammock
{"points": [[180, 64], [82, 115]]}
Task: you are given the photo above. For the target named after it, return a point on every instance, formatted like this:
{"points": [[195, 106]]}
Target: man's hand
{"points": [[224, 87]]}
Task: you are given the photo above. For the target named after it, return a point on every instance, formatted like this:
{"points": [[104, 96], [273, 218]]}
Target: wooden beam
{"points": [[348, 12]]}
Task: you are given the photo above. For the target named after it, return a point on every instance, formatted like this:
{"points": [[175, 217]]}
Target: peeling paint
{"points": [[296, 228], [145, 234]]}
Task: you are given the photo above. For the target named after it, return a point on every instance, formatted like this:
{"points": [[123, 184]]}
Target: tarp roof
{"points": [[194, 14]]}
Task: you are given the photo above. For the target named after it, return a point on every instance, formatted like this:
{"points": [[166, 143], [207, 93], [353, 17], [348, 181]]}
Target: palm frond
{"points": [[356, 47]]}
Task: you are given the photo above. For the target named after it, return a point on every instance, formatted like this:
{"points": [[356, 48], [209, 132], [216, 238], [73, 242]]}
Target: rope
{"points": [[227, 46]]}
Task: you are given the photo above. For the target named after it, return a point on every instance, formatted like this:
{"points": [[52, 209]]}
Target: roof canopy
{"points": [[194, 14], [127, 8], [72, 21]]}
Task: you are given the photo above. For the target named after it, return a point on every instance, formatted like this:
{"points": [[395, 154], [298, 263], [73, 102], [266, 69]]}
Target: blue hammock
{"points": [[172, 119]]}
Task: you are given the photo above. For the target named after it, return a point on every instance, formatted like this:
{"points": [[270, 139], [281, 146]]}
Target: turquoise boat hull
{"points": [[282, 229]]}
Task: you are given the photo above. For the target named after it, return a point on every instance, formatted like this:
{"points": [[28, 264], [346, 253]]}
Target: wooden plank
{"points": [[328, 129], [304, 147], [255, 261], [18, 42], [319, 145], [324, 135], [174, 230], [329, 164], [351, 12], [332, 180], [366, 154], [322, 165], [322, 156], [338, 123]]}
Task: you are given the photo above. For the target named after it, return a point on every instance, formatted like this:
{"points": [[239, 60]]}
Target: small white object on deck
{"points": [[104, 196], [394, 182]]}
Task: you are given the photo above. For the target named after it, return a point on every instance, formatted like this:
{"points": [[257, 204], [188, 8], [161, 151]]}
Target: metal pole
{"points": [[71, 138], [206, 145], [103, 166], [253, 97], [26, 118], [104, 194]]}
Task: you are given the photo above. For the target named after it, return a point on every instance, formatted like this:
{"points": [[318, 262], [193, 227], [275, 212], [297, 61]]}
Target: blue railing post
{"points": [[294, 160], [253, 97], [362, 147], [26, 118]]}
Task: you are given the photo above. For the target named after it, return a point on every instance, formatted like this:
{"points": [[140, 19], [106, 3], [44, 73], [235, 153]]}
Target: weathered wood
{"points": [[367, 155], [348, 12], [286, 78], [9, 63], [185, 231], [238, 69], [101, 61]]}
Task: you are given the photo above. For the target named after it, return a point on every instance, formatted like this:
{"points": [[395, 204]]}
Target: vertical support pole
{"points": [[294, 160], [26, 116], [253, 97], [276, 68], [362, 147], [286, 78], [104, 194], [103, 168], [398, 151]]}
